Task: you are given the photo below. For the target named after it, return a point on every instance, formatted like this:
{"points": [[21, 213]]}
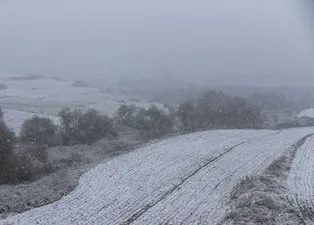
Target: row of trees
{"points": [[152, 123], [84, 128], [213, 110], [76, 128], [29, 159]]}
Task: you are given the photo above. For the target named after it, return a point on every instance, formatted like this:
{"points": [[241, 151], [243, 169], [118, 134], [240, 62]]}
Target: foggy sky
{"points": [[224, 41]]}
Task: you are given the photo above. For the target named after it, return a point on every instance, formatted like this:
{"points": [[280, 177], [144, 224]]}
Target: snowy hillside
{"points": [[183, 180], [301, 180], [307, 113], [35, 93], [14, 118]]}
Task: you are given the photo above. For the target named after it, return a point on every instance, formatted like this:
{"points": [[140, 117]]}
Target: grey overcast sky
{"points": [[258, 42]]}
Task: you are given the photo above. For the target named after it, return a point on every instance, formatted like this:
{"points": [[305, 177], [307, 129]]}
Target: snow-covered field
{"points": [[39, 94], [14, 118], [23, 96], [307, 113], [301, 180], [183, 180]]}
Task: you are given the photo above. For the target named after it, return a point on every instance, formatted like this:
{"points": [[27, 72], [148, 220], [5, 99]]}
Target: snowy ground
{"points": [[262, 198], [183, 180], [14, 118], [307, 113], [301, 180], [45, 95], [66, 166]]}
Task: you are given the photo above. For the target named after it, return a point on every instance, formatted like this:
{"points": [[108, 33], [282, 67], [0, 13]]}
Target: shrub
{"points": [[84, 128], [69, 125], [126, 115], [215, 110], [24, 164], [34, 151], [20, 169], [154, 122], [39, 131], [92, 126], [7, 140], [187, 115]]}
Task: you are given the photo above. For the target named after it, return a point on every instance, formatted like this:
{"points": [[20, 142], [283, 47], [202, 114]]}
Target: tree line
{"points": [[212, 110]]}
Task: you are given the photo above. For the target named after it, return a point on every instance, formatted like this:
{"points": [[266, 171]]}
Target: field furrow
{"points": [[301, 180], [183, 180], [203, 199]]}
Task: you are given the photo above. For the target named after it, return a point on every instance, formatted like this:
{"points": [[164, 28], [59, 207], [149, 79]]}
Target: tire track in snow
{"points": [[176, 187]]}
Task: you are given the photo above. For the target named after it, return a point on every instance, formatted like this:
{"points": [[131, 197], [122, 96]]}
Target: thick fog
{"points": [[252, 42]]}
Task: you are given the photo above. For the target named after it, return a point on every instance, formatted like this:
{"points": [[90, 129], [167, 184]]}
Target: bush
{"points": [[26, 163], [215, 110], [297, 122], [154, 122], [84, 128], [92, 126], [187, 114], [126, 115], [20, 169], [69, 125], [1, 113], [34, 151], [7, 141], [39, 131]]}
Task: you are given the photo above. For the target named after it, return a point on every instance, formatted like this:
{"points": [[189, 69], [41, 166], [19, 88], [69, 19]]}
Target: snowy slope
{"points": [[39, 94], [301, 179], [307, 113], [14, 118], [183, 180]]}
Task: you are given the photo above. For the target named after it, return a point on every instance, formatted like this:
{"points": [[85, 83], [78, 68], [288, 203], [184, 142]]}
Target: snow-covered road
{"points": [[183, 180]]}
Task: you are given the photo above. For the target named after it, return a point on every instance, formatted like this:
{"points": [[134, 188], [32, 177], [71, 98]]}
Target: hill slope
{"points": [[183, 180]]}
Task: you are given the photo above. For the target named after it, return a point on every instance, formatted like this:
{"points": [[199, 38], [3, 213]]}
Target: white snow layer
{"points": [[183, 180], [301, 179], [307, 113], [35, 93], [14, 118]]}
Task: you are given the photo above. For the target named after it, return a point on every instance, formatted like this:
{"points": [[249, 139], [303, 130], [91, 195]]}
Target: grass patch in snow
{"points": [[67, 165], [262, 199]]}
